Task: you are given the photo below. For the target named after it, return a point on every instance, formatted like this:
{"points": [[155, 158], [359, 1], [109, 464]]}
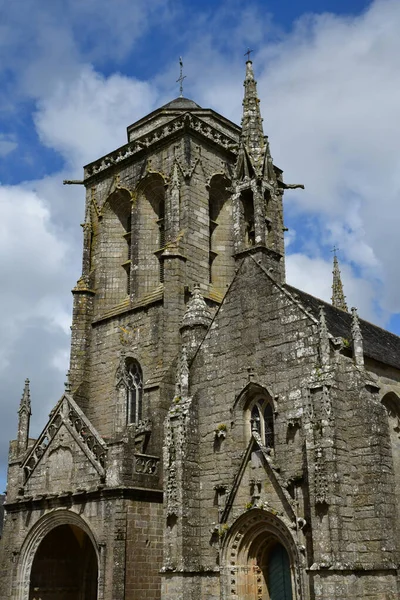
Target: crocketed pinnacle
{"points": [[355, 325], [197, 311], [252, 130], [338, 297], [25, 404]]}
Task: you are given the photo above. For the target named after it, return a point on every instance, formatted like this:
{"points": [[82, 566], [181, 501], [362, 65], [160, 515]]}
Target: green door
{"points": [[279, 584]]}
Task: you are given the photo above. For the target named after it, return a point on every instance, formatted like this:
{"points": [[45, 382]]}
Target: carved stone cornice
{"points": [[185, 122]]}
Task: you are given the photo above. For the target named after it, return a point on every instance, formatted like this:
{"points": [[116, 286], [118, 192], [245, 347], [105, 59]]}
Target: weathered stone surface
{"points": [[216, 421]]}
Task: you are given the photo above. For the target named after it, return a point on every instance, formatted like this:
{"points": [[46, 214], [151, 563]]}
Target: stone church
{"points": [[222, 435]]}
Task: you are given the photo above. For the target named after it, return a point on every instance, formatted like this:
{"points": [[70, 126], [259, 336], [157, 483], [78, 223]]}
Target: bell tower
{"points": [[168, 216]]}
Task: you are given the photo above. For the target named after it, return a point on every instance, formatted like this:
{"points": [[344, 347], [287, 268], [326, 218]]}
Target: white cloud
{"points": [[87, 117], [314, 275], [31, 264]]}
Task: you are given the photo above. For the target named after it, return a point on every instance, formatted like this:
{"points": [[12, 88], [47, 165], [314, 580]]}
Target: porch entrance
{"points": [[65, 566]]}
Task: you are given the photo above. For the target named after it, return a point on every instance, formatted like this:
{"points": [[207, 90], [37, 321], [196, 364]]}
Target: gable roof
{"points": [[379, 344], [68, 414]]}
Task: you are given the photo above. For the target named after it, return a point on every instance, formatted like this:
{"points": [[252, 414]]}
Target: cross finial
{"points": [[248, 54], [181, 76], [334, 250]]}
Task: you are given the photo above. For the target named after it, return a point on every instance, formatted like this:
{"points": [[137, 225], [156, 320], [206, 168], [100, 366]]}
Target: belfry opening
{"points": [[65, 566]]}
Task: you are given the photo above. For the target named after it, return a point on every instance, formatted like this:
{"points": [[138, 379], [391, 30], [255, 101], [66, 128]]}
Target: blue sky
{"points": [[74, 74]]}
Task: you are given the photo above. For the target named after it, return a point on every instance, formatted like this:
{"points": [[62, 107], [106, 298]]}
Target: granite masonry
{"points": [[222, 435]]}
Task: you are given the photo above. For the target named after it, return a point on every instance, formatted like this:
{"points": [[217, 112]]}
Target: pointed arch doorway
{"points": [[268, 571], [64, 566], [260, 559]]}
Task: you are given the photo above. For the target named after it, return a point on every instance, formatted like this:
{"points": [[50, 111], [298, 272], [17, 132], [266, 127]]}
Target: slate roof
{"points": [[379, 344]]}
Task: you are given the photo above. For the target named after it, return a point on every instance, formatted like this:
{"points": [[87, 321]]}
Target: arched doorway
{"points": [[64, 566], [266, 571], [260, 560], [269, 576]]}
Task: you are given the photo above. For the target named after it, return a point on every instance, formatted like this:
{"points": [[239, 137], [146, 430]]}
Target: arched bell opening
{"points": [[221, 244], [148, 233], [247, 218], [111, 249], [64, 566]]}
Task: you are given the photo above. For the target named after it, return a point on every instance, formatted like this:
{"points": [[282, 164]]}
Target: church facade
{"points": [[222, 435]]}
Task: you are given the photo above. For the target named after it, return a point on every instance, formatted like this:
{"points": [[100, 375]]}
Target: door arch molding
{"points": [[247, 532], [36, 535]]}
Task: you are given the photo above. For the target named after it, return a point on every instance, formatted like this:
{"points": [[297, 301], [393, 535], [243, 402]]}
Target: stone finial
{"points": [[338, 297], [324, 350], [197, 312], [24, 415], [182, 375], [67, 383], [357, 339]]}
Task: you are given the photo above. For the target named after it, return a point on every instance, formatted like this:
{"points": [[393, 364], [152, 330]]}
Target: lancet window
{"points": [[262, 421], [130, 382], [134, 391], [112, 249], [221, 262], [149, 234], [247, 206]]}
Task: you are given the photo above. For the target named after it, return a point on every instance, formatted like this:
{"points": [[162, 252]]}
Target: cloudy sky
{"points": [[75, 73]]}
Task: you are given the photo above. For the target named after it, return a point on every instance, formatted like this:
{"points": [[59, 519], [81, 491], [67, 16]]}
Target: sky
{"points": [[75, 73]]}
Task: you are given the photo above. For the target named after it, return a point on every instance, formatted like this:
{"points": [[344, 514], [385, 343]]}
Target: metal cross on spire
{"points": [[248, 54], [181, 76]]}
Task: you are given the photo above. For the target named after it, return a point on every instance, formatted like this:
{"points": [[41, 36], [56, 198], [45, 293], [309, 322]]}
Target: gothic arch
{"points": [[247, 217], [37, 534], [391, 402], [245, 551], [221, 242], [254, 397], [148, 232], [111, 248], [129, 389]]}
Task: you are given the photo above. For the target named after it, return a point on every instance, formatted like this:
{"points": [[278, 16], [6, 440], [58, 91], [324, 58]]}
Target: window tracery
{"points": [[130, 378], [262, 420]]}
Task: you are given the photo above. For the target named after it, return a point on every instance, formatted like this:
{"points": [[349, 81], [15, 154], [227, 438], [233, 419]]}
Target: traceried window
{"points": [[130, 384], [134, 391], [262, 421]]}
